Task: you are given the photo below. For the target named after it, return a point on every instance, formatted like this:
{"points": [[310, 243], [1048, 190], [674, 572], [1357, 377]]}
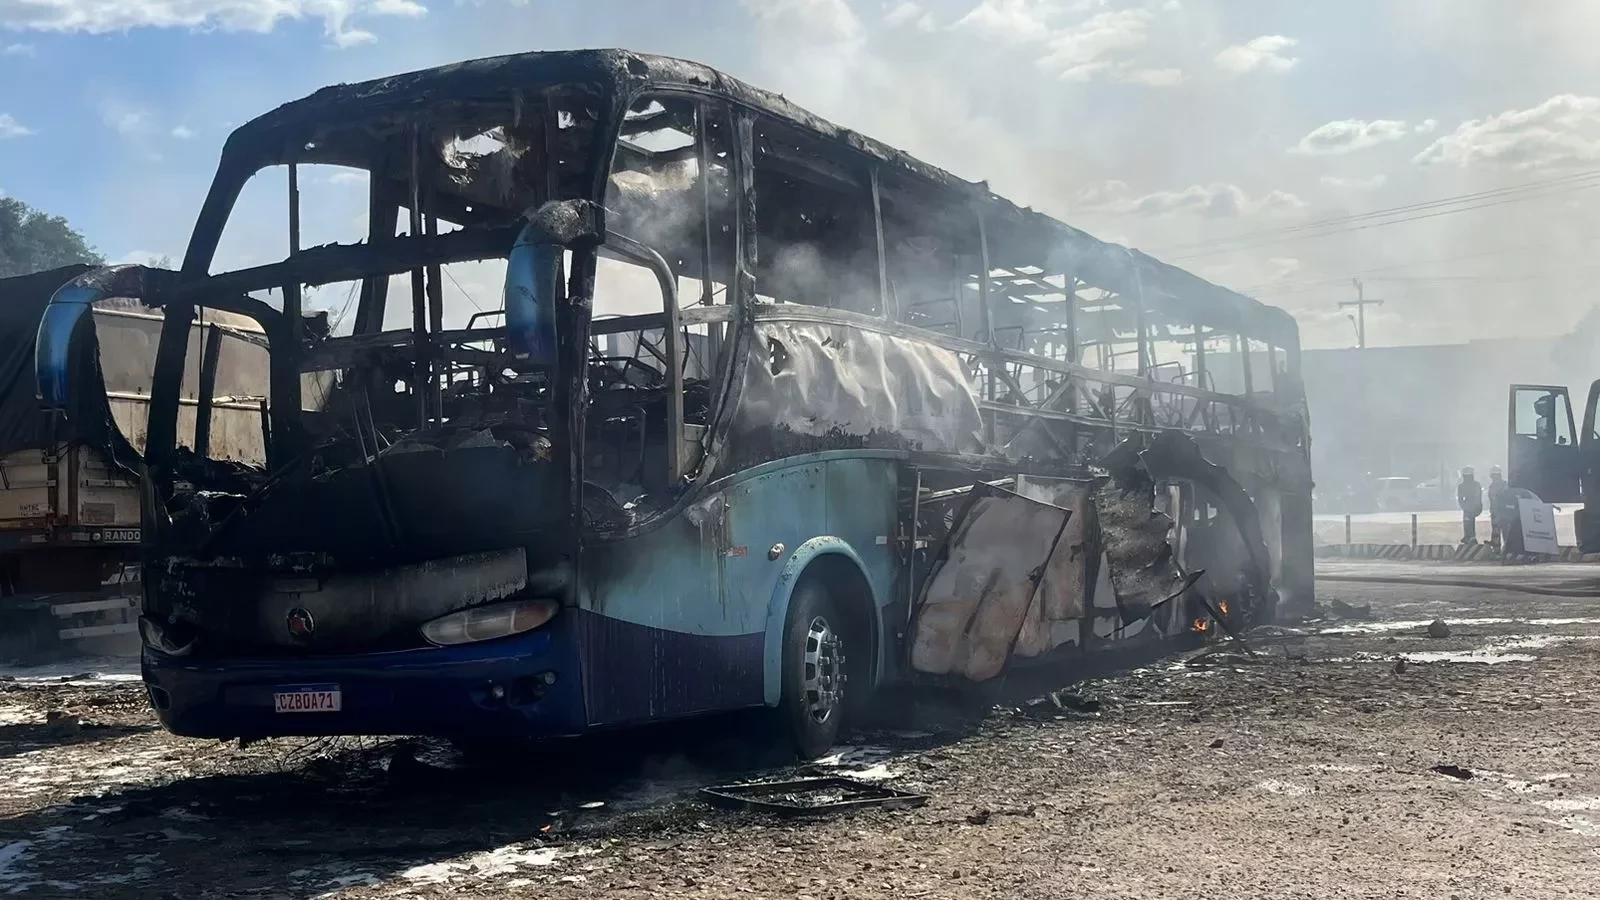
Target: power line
{"points": [[1579, 177], [1298, 233], [1380, 224], [1340, 279], [1443, 281]]}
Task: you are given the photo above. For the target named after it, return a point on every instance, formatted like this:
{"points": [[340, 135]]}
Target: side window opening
{"points": [[1543, 415], [672, 216], [932, 260], [816, 233], [333, 210]]}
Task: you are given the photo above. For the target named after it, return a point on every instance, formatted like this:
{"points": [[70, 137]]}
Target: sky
{"points": [[1445, 152]]}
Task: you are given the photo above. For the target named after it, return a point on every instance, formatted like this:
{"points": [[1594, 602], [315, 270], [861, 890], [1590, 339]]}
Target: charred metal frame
{"points": [[1066, 414]]}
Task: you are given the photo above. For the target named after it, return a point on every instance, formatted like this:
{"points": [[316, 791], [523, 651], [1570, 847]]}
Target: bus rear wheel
{"points": [[811, 708]]}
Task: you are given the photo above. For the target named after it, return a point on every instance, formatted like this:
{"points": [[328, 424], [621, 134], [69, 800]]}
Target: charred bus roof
{"points": [[345, 124]]}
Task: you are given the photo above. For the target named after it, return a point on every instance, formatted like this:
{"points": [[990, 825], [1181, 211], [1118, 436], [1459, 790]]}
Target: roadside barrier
{"points": [[1447, 553]]}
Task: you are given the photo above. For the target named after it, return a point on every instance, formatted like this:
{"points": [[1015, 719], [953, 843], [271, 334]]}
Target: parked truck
{"points": [[69, 494], [1551, 458]]}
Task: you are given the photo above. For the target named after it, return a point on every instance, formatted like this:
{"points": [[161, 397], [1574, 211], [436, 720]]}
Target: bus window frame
{"points": [[1245, 419], [735, 117]]}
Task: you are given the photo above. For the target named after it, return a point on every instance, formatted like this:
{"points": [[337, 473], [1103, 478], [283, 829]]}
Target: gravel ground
{"points": [[1305, 772]]}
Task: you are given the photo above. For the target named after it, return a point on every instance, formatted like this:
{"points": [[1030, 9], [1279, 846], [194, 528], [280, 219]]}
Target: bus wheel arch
{"points": [[831, 564]]}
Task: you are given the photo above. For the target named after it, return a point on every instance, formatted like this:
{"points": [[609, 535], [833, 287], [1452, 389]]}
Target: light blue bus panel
{"points": [[685, 618]]}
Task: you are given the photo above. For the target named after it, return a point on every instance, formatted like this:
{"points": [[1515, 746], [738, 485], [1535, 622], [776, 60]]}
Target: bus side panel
{"points": [[675, 621], [657, 636], [786, 507], [863, 499]]}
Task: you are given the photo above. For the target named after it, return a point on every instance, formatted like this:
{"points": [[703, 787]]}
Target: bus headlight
{"points": [[485, 623]]}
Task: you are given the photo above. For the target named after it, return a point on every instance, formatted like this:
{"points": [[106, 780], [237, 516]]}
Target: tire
{"points": [[811, 708]]}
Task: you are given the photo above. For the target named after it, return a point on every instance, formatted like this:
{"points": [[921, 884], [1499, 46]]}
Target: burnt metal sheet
{"points": [[845, 386], [1136, 537], [983, 589], [1056, 615], [810, 796], [1175, 456]]}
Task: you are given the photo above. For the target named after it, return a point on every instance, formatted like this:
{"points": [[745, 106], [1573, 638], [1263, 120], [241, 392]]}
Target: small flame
{"points": [[1200, 625], [1222, 607]]}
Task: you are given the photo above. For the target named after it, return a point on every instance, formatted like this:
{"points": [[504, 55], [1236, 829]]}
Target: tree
{"points": [[32, 241]]}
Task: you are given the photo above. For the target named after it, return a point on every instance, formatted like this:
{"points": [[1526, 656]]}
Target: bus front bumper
{"points": [[526, 686]]}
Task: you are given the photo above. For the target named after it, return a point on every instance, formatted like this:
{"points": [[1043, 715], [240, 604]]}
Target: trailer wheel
{"points": [[811, 707]]}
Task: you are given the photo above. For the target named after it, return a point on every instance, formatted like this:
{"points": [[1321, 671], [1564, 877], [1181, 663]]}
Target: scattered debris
{"points": [[1438, 629], [1451, 771], [58, 724], [1217, 744], [1273, 634], [1217, 656], [1061, 705], [807, 796], [984, 816], [1400, 666], [1075, 702], [1342, 610]]}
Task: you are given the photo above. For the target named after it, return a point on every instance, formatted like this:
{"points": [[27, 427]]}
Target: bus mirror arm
{"points": [[534, 271], [566, 223]]}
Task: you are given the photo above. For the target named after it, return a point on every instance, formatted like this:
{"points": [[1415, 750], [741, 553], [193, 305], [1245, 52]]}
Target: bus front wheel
{"points": [[811, 708]]}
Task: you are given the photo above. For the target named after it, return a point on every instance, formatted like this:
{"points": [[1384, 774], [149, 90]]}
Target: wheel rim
{"points": [[824, 670]]}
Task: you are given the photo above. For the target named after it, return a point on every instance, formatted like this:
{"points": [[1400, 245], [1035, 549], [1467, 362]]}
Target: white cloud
{"points": [[144, 258], [1010, 21], [831, 20], [352, 37], [1350, 135], [1354, 184], [1093, 46], [912, 15], [124, 120], [346, 176], [1100, 46], [1561, 131], [183, 132], [1211, 201], [11, 128], [18, 50], [261, 16], [1148, 77], [1282, 267], [1427, 126], [1265, 53]]}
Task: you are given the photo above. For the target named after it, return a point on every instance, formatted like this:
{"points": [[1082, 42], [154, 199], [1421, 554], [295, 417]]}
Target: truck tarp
{"points": [[23, 422]]}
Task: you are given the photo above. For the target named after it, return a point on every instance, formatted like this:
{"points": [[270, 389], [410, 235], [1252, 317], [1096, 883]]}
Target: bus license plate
{"points": [[306, 698]]}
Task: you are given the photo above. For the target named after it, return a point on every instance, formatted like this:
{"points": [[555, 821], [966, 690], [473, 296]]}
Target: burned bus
{"points": [[760, 412]]}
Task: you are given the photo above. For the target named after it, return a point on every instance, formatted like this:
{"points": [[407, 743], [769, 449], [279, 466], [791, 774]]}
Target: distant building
{"points": [[1423, 412]]}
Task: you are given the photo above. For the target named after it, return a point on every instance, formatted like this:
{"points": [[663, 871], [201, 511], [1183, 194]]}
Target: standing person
{"points": [[1469, 493], [1497, 503]]}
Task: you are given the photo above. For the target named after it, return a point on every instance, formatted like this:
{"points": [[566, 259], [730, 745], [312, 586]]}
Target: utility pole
{"points": [[1360, 303]]}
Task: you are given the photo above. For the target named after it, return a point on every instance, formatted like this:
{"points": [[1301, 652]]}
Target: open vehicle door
{"points": [[1586, 521], [1544, 454]]}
